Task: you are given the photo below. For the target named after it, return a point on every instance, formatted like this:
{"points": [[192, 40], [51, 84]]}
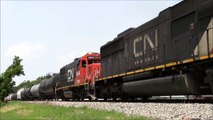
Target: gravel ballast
{"points": [[164, 111]]}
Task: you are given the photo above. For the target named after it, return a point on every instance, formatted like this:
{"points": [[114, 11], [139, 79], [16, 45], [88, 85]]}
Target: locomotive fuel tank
{"points": [[170, 85], [68, 94]]}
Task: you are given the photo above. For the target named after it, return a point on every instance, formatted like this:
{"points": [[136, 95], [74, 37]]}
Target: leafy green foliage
{"points": [[6, 82], [29, 111]]}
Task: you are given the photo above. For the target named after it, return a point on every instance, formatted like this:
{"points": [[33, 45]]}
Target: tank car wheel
{"points": [[105, 98]]}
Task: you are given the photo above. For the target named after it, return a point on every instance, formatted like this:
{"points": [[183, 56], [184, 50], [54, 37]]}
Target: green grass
{"points": [[26, 111]]}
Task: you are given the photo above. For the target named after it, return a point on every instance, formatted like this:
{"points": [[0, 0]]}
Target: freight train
{"points": [[171, 54]]}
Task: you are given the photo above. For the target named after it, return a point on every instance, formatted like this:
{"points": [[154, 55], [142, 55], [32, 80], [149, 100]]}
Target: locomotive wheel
{"points": [[145, 98], [105, 98], [89, 98]]}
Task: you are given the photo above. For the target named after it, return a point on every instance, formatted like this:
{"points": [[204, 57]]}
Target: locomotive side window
{"points": [[183, 24]]}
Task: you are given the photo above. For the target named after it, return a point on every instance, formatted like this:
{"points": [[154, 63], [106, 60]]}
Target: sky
{"points": [[50, 34]]}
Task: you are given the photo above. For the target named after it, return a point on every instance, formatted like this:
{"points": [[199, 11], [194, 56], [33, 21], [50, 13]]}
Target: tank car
{"points": [[42, 88], [19, 93], [22, 95], [26, 94], [34, 91], [47, 87], [50, 86], [8, 98], [14, 96]]}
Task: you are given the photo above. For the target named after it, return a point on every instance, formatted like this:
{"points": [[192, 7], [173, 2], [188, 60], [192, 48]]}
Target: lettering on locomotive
{"points": [[70, 75], [144, 43]]}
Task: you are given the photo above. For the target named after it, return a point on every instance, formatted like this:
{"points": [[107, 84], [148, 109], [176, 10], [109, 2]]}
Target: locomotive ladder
{"points": [[90, 90], [90, 87]]}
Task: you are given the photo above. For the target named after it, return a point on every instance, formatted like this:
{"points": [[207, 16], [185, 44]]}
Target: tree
{"points": [[6, 82]]}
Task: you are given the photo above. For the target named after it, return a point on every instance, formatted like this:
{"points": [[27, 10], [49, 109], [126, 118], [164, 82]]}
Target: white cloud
{"points": [[33, 55], [66, 58], [69, 57], [26, 50], [78, 48]]}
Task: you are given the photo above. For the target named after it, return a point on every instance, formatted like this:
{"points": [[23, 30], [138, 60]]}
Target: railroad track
{"points": [[203, 101]]}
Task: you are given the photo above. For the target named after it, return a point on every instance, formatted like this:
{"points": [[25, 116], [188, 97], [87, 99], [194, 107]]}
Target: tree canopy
{"points": [[6, 82]]}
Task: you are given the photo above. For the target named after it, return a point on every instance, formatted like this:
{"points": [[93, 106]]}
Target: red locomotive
{"points": [[78, 78]]}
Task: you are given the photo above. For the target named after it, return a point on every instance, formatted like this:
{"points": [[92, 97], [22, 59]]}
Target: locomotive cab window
{"points": [[93, 59], [83, 62]]}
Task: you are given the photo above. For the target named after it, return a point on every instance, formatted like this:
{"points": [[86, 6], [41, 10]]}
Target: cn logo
{"points": [[70, 75], [144, 40]]}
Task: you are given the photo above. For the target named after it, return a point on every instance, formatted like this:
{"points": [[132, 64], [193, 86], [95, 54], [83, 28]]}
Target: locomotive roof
{"points": [[120, 35], [162, 16], [71, 64]]}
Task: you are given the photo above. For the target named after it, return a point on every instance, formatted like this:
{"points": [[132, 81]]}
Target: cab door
{"points": [[80, 72]]}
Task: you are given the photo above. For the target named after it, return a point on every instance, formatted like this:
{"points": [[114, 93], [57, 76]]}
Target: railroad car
{"points": [[14, 96], [8, 98], [26, 94], [169, 55], [42, 88], [22, 95], [46, 88], [78, 78], [34, 91], [19, 93]]}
